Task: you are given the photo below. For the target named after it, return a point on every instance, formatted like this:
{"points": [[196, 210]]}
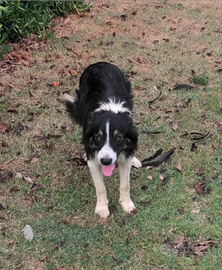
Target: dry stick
{"points": [[151, 101], [8, 161], [158, 158]]}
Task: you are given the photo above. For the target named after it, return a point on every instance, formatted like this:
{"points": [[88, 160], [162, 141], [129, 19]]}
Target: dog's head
{"points": [[107, 135]]}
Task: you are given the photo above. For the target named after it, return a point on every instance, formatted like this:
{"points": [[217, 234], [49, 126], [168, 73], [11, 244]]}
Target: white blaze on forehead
{"points": [[106, 151], [113, 106]]}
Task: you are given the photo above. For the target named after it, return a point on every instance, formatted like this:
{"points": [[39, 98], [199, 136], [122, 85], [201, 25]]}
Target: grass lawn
{"points": [[172, 54]]}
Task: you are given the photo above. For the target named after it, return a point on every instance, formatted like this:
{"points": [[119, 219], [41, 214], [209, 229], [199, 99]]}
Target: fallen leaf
{"points": [[73, 72], [55, 84], [161, 177], [123, 17], [50, 146], [58, 245], [5, 144], [173, 28], [167, 246], [2, 207], [184, 246], [12, 111], [5, 127], [183, 86], [175, 125], [201, 188], [199, 248], [179, 241], [198, 188], [179, 167], [32, 159], [5, 176]]}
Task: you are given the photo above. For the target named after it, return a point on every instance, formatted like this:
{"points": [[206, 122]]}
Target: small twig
{"points": [[150, 132], [158, 152], [156, 159], [195, 138], [155, 88], [8, 161], [183, 86]]}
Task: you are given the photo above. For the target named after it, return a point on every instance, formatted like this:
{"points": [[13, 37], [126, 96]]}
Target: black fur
{"points": [[98, 83]]}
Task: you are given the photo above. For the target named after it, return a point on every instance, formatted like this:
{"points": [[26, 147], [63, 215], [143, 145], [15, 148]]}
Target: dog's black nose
{"points": [[106, 161]]}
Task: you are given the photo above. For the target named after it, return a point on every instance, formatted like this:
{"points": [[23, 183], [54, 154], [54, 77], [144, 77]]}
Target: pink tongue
{"points": [[108, 170]]}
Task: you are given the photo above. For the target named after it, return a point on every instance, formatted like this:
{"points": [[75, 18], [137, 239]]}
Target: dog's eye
{"points": [[118, 137], [98, 137]]}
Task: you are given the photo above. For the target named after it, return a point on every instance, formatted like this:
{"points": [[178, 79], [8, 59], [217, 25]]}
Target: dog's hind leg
{"points": [[136, 163], [124, 173], [97, 176]]}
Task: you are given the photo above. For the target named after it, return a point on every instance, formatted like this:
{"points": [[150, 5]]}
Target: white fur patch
{"points": [[113, 106], [136, 163], [69, 98], [107, 151]]}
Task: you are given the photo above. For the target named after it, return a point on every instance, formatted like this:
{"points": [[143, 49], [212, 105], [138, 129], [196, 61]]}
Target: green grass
{"points": [[25, 18], [200, 80], [67, 233]]}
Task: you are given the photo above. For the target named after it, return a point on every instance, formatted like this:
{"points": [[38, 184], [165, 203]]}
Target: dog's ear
{"points": [[132, 138], [88, 128], [132, 134], [90, 117]]}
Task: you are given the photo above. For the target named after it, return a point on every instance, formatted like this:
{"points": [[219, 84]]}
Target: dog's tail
{"points": [[72, 108]]}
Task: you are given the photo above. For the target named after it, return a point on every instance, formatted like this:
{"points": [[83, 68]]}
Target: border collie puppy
{"points": [[103, 107]]}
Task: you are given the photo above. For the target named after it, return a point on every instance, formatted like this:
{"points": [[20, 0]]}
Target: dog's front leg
{"points": [[97, 176], [124, 173]]}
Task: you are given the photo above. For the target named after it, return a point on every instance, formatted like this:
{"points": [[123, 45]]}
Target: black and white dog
{"points": [[103, 107]]}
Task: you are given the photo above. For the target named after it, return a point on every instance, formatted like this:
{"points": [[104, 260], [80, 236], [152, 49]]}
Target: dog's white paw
{"points": [[102, 211], [127, 205], [84, 157], [136, 163]]}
